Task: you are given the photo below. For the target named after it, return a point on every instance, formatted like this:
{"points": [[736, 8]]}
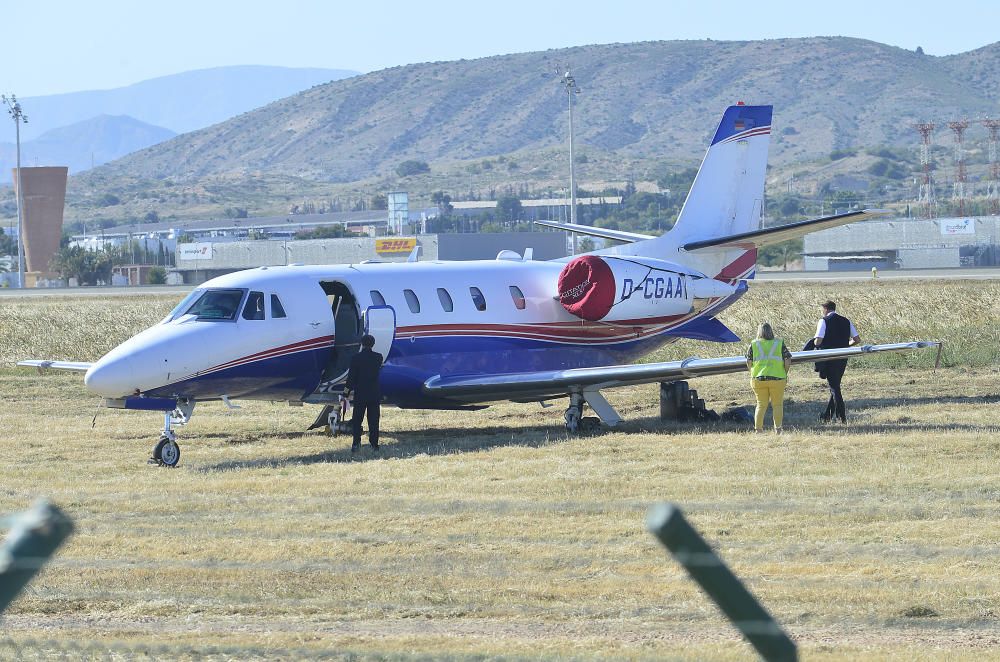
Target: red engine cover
{"points": [[587, 287]]}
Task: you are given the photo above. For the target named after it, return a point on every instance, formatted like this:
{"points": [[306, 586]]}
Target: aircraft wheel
{"points": [[590, 424], [572, 417], [170, 453], [158, 451]]}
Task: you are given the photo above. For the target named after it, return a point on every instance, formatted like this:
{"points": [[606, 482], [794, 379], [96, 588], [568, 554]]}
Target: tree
{"points": [[790, 207], [508, 208], [380, 201], [7, 244], [442, 201], [586, 245], [408, 168], [88, 267], [323, 232], [157, 276]]}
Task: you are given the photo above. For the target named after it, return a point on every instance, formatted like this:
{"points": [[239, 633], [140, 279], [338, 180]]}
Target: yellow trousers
{"points": [[773, 391]]}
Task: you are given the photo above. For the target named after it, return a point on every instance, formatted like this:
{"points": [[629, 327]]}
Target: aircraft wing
{"points": [[758, 238], [56, 365], [530, 386], [604, 233]]}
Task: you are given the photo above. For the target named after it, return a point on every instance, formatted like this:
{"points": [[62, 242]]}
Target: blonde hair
{"points": [[765, 332]]}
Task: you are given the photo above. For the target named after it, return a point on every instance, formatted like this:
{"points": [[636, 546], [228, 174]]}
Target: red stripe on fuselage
{"points": [[738, 267]]}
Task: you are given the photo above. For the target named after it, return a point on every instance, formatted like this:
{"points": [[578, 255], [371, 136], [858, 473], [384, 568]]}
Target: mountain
{"points": [[180, 102], [84, 144], [652, 100]]}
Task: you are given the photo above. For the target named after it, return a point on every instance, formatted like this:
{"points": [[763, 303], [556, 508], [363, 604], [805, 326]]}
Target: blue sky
{"points": [[63, 46]]}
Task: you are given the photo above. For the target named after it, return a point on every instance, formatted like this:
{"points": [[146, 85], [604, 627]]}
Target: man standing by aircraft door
{"points": [[835, 331], [362, 380]]}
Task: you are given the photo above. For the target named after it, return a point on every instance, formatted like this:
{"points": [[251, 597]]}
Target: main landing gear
{"points": [[167, 453], [576, 422]]}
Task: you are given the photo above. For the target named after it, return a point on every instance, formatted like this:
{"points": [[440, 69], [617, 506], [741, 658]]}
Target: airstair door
{"points": [[380, 323]]}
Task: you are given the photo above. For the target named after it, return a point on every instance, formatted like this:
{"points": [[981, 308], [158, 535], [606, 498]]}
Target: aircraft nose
{"points": [[111, 377]]}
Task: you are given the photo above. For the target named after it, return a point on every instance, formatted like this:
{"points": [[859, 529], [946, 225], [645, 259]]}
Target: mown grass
{"points": [[494, 534]]}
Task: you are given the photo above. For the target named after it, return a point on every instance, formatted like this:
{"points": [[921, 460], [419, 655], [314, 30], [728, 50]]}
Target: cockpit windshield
{"points": [[183, 305], [214, 304]]}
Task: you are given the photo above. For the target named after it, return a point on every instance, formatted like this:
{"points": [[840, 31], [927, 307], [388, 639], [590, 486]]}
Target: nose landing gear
{"points": [[167, 453]]}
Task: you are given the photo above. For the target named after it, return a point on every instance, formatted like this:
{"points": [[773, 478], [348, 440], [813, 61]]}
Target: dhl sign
{"points": [[395, 245]]}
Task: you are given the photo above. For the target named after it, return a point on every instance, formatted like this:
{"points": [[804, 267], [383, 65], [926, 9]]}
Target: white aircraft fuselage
{"points": [[450, 318]]}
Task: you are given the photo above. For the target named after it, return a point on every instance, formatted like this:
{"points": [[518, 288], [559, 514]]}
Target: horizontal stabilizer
{"points": [[56, 365], [707, 328], [767, 236], [616, 235]]}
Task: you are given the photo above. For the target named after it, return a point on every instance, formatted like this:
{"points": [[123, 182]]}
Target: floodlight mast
{"points": [[571, 89], [14, 109]]}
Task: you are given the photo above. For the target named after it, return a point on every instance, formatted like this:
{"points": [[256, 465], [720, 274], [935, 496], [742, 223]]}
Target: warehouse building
{"points": [[945, 243]]}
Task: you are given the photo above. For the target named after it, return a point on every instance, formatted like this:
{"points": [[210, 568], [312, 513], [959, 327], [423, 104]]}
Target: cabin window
{"points": [[446, 303], [277, 310], [217, 305], [254, 308], [478, 299], [377, 298], [412, 301], [517, 296]]}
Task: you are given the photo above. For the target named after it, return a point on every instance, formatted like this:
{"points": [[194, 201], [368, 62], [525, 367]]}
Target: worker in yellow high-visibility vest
{"points": [[768, 361]]}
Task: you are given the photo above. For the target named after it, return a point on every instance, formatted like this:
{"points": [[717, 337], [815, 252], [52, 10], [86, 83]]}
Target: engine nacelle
{"points": [[613, 289]]}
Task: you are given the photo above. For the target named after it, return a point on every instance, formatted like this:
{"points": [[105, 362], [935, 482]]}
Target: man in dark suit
{"points": [[362, 380], [835, 331]]}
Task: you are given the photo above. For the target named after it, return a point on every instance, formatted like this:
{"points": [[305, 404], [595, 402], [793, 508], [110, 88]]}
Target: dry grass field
{"points": [[494, 534]]}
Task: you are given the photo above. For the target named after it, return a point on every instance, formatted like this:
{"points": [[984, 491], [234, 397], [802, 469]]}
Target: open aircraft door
{"points": [[380, 323]]}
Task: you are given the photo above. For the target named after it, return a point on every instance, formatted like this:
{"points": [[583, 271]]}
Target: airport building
{"points": [[905, 244]]}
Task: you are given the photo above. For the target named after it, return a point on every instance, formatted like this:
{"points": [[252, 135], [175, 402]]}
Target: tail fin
{"points": [[727, 195], [726, 198]]}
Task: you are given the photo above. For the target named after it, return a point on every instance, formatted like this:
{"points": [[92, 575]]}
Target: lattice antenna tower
{"points": [[926, 195], [958, 127], [993, 188]]}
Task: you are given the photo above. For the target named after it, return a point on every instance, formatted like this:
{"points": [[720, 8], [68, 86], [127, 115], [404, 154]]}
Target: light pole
{"points": [[571, 89], [14, 109]]}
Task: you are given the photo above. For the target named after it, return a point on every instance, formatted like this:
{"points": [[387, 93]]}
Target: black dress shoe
{"points": [[355, 447]]}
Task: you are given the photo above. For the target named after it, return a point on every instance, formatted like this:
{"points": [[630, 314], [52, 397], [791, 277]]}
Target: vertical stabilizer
{"points": [[727, 197]]}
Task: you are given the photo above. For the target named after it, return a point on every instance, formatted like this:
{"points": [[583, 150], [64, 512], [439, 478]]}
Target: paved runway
{"points": [[178, 290], [984, 273]]}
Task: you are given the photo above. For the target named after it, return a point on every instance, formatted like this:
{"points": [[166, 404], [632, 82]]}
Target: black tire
{"points": [[170, 454], [158, 449]]}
